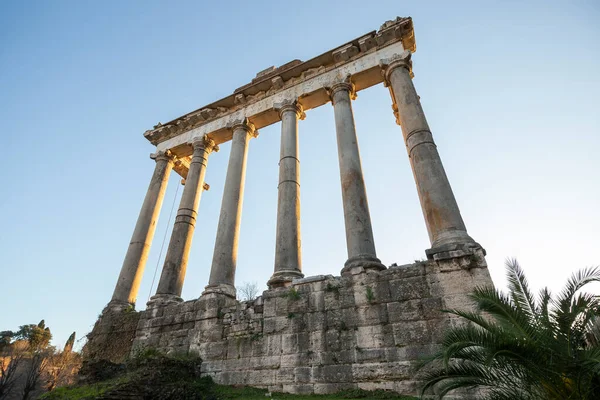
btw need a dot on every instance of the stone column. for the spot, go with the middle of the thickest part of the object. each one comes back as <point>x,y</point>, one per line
<point>173,272</point>
<point>222,272</point>
<point>447,231</point>
<point>288,259</point>
<point>132,270</point>
<point>359,233</point>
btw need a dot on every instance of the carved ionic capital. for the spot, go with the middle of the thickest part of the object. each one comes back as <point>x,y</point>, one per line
<point>205,143</point>
<point>397,61</point>
<point>246,125</point>
<point>163,156</point>
<point>346,85</point>
<point>290,105</point>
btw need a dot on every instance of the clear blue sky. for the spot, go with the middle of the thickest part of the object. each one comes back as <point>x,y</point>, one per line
<point>510,88</point>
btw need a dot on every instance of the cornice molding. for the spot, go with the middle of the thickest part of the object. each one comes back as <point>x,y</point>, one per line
<point>273,80</point>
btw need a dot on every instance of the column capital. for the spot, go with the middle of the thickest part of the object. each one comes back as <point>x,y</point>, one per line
<point>396,61</point>
<point>346,85</point>
<point>290,105</point>
<point>205,143</point>
<point>245,125</point>
<point>163,156</point>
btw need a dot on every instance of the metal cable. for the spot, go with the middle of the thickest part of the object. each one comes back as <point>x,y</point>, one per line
<point>164,240</point>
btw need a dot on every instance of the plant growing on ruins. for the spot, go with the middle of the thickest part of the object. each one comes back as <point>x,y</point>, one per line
<point>293,294</point>
<point>370,294</point>
<point>129,309</point>
<point>332,288</point>
<point>515,346</point>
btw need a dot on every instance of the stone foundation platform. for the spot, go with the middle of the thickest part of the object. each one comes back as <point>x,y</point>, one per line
<point>366,329</point>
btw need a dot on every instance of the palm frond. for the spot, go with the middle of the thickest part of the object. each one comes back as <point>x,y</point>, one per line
<point>500,307</point>
<point>521,295</point>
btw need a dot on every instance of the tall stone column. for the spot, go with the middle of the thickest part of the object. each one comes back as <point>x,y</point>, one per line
<point>174,268</point>
<point>288,259</point>
<point>132,270</point>
<point>447,231</point>
<point>357,219</point>
<point>222,272</point>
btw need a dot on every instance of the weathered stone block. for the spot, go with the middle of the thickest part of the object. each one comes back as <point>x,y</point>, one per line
<point>265,362</point>
<point>326,388</point>
<point>407,310</point>
<point>276,324</point>
<point>370,355</point>
<point>302,374</point>
<point>332,373</point>
<point>382,371</point>
<point>294,360</point>
<point>316,301</point>
<point>298,388</point>
<point>273,345</point>
<point>316,321</point>
<point>372,314</point>
<point>377,336</point>
<point>285,375</point>
<point>211,351</point>
<point>411,333</point>
<point>294,342</point>
<point>281,306</point>
<point>409,288</point>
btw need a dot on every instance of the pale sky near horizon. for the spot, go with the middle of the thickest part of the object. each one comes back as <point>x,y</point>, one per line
<point>510,89</point>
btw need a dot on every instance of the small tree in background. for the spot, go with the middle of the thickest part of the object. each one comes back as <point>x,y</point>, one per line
<point>36,366</point>
<point>38,336</point>
<point>69,345</point>
<point>248,291</point>
<point>5,339</point>
<point>11,358</point>
<point>63,366</point>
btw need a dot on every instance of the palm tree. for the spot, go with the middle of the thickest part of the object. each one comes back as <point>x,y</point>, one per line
<point>514,346</point>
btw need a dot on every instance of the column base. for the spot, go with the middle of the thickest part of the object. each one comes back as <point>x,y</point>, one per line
<point>451,237</point>
<point>284,278</point>
<point>115,306</point>
<point>221,289</point>
<point>360,263</point>
<point>454,250</point>
<point>163,299</point>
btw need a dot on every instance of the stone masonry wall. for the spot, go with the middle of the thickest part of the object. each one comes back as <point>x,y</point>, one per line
<point>323,334</point>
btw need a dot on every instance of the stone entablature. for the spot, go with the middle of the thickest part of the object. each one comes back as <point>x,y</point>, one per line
<point>305,81</point>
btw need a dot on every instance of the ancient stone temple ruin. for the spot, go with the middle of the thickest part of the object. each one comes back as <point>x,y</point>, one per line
<point>363,329</point>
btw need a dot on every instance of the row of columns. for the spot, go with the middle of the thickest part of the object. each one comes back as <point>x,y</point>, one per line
<point>444,223</point>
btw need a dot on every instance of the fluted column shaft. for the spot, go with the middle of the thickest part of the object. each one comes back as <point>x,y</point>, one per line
<point>445,225</point>
<point>128,284</point>
<point>357,219</point>
<point>288,259</point>
<point>173,272</point>
<point>222,272</point>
